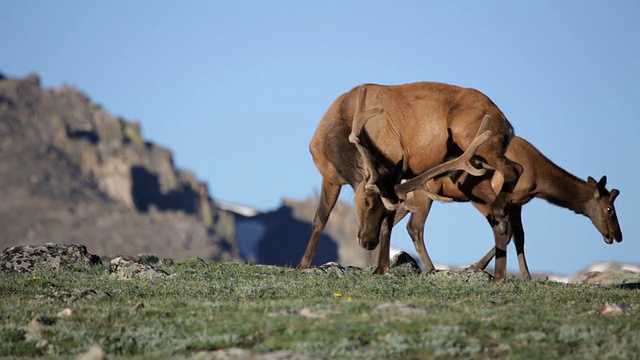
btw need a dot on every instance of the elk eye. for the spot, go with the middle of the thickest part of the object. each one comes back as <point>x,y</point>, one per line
<point>609,209</point>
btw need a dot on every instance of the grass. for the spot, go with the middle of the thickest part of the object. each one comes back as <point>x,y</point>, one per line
<point>208,306</point>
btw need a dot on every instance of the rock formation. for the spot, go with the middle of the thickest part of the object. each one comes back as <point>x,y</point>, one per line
<point>72,173</point>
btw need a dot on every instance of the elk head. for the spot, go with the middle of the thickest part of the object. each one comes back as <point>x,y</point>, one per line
<point>370,212</point>
<point>371,205</point>
<point>601,211</point>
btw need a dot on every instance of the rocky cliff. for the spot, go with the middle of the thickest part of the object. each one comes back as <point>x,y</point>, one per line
<point>72,173</point>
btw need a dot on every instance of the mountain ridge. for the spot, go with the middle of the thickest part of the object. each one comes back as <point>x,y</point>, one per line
<point>71,172</point>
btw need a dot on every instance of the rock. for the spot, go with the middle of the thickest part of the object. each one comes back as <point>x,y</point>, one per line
<point>606,277</point>
<point>400,308</point>
<point>71,172</point>
<point>95,352</point>
<point>65,313</point>
<point>123,269</point>
<point>33,332</point>
<point>73,295</point>
<point>333,268</point>
<point>467,274</point>
<point>310,314</point>
<point>137,307</point>
<point>27,258</point>
<point>243,354</point>
<point>41,320</point>
<point>404,259</point>
<point>611,309</point>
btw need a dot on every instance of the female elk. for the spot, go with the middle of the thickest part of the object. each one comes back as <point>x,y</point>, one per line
<point>540,178</point>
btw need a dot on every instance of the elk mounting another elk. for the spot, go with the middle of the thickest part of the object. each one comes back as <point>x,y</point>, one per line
<point>402,132</point>
<point>540,178</point>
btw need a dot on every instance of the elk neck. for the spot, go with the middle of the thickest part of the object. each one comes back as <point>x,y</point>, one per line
<point>562,188</point>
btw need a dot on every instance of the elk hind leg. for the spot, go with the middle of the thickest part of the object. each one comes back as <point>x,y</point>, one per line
<point>417,221</point>
<point>499,251</point>
<point>486,259</point>
<point>415,227</point>
<point>328,197</point>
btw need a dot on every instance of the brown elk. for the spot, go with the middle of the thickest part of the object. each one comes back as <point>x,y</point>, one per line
<point>409,130</point>
<point>540,178</point>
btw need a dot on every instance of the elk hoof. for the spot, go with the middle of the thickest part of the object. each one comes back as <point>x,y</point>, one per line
<point>381,270</point>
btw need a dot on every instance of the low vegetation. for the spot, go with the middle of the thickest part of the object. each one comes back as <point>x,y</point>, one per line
<point>205,306</point>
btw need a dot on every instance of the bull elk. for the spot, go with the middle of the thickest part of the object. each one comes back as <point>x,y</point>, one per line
<point>540,178</point>
<point>407,132</point>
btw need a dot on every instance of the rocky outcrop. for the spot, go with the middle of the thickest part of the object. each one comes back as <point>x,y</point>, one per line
<point>122,269</point>
<point>71,172</point>
<point>606,277</point>
<point>604,273</point>
<point>47,257</point>
<point>280,236</point>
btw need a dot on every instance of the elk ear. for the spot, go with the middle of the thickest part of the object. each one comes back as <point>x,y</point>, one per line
<point>603,182</point>
<point>591,180</point>
<point>614,194</point>
<point>596,194</point>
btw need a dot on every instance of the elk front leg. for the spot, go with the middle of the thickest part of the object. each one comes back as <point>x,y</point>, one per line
<point>515,219</point>
<point>328,197</point>
<point>385,244</point>
<point>501,242</point>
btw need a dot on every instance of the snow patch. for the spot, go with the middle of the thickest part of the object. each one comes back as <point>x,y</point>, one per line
<point>237,208</point>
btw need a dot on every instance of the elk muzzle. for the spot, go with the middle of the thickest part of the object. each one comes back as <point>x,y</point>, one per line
<point>369,242</point>
<point>610,236</point>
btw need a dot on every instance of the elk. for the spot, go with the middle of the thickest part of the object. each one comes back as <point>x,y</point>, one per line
<point>407,130</point>
<point>540,178</point>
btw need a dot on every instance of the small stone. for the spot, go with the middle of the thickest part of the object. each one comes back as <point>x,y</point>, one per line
<point>404,259</point>
<point>41,319</point>
<point>399,307</point>
<point>469,274</point>
<point>306,312</point>
<point>611,309</point>
<point>124,270</point>
<point>66,312</point>
<point>137,307</point>
<point>95,352</point>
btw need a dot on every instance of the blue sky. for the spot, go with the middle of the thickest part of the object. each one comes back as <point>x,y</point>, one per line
<point>236,88</point>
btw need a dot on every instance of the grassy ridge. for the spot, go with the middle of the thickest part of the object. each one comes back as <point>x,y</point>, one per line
<point>206,306</point>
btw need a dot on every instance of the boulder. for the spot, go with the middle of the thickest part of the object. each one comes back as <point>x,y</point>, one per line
<point>27,258</point>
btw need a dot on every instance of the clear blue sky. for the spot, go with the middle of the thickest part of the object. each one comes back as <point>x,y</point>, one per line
<point>236,88</point>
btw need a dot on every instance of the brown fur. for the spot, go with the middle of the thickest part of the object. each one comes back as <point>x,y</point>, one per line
<point>411,135</point>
